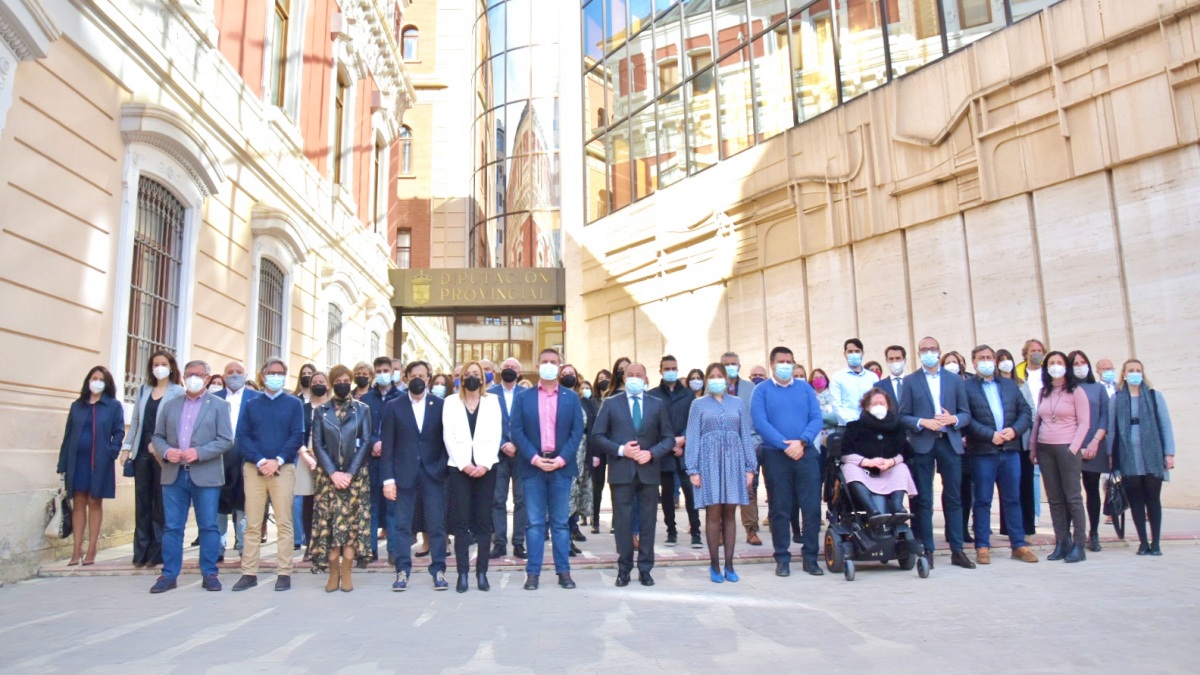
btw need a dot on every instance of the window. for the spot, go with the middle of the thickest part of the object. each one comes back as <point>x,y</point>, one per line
<point>702,83</point>
<point>374,344</point>
<point>339,121</point>
<point>601,118</point>
<point>668,77</point>
<point>270,312</point>
<point>155,283</point>
<point>406,164</point>
<point>333,343</point>
<point>404,249</point>
<point>408,43</point>
<point>379,191</point>
<point>279,52</point>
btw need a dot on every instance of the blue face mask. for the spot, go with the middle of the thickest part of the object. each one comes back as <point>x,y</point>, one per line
<point>784,371</point>
<point>383,379</point>
<point>489,377</point>
<point>438,390</point>
<point>731,371</point>
<point>587,393</point>
<point>671,376</point>
<point>1135,379</point>
<point>855,360</point>
<point>716,387</point>
<point>986,368</point>
<point>930,359</point>
<point>635,385</point>
<point>274,381</point>
<point>696,385</point>
<point>1109,376</point>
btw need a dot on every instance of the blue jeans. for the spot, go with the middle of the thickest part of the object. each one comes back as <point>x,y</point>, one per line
<point>178,498</point>
<point>949,465</point>
<point>298,520</point>
<point>793,484</point>
<point>1003,470</point>
<point>548,496</point>
<point>1037,491</point>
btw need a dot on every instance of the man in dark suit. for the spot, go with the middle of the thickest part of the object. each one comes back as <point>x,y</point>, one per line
<point>414,458</point>
<point>678,398</point>
<point>934,409</point>
<point>506,472</point>
<point>383,389</point>
<point>634,431</point>
<point>547,428</point>
<point>999,416</point>
<point>892,383</point>
<point>233,495</point>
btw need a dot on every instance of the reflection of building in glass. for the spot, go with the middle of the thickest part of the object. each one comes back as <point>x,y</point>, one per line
<point>671,87</point>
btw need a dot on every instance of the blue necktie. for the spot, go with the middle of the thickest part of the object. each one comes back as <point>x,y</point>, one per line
<point>637,413</point>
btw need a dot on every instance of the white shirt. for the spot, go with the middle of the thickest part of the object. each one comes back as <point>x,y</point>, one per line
<point>234,398</point>
<point>418,406</point>
<point>1034,379</point>
<point>897,382</point>
<point>1111,388</point>
<point>847,388</point>
<point>508,394</point>
<point>935,389</point>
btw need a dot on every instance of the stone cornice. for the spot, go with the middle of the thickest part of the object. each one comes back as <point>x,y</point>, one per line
<point>26,28</point>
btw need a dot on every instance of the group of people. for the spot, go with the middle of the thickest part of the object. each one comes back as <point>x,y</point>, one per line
<point>385,451</point>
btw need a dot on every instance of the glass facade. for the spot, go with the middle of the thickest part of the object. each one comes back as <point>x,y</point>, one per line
<point>515,217</point>
<point>671,87</point>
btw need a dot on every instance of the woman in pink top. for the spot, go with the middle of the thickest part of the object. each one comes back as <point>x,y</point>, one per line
<point>1056,444</point>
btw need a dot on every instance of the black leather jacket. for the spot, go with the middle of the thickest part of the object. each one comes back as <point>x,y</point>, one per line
<point>342,445</point>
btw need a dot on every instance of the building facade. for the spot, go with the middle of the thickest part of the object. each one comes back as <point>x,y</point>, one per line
<point>208,177</point>
<point>983,171</point>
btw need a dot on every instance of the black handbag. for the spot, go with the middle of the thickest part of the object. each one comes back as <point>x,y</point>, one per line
<point>1115,503</point>
<point>127,468</point>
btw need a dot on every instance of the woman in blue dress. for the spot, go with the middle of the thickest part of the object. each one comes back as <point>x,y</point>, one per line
<point>719,452</point>
<point>88,454</point>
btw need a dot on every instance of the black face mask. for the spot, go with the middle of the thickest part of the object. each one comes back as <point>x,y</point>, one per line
<point>416,386</point>
<point>319,390</point>
<point>305,381</point>
<point>508,375</point>
<point>361,382</point>
<point>602,386</point>
<point>341,389</point>
<point>472,383</point>
<point>568,381</point>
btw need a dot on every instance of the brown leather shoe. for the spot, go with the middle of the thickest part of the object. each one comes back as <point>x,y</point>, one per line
<point>1024,555</point>
<point>752,539</point>
<point>983,555</point>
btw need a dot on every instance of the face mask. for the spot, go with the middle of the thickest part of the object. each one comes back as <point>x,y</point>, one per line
<point>489,377</point>
<point>569,381</point>
<point>603,384</point>
<point>362,381</point>
<point>1036,359</point>
<point>758,379</point>
<point>274,381</point>
<point>508,375</point>
<point>319,390</point>
<point>635,385</point>
<point>1006,366</point>
<point>305,381</point>
<point>548,371</point>
<point>383,379</point>
<point>784,371</point>
<point>96,386</point>
<point>930,359</point>
<point>671,376</point>
<point>731,371</point>
<point>472,383</point>
<point>397,375</point>
<point>820,383</point>
<point>587,393</point>
<point>696,385</point>
<point>855,360</point>
<point>717,386</point>
<point>161,372</point>
<point>1134,379</point>
<point>1056,371</point>
<point>1109,376</point>
<point>416,386</point>
<point>896,367</point>
<point>952,367</point>
<point>457,382</point>
<point>438,390</point>
<point>879,411</point>
<point>1081,372</point>
<point>341,389</point>
<point>214,388</point>
<point>235,382</point>
<point>986,368</point>
<point>194,384</point>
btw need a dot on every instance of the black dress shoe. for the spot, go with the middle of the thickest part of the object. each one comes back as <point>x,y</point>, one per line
<point>247,581</point>
<point>967,538</point>
<point>672,539</point>
<point>566,581</point>
<point>519,551</point>
<point>163,585</point>
<point>783,569</point>
<point>1155,550</point>
<point>1076,554</point>
<point>1094,542</point>
<point>462,586</point>
<point>1143,549</point>
<point>576,535</point>
<point>574,551</point>
<point>498,551</point>
<point>481,582</point>
<point>812,568</point>
<point>283,583</point>
<point>195,542</point>
<point>645,579</point>
<point>960,558</point>
<point>929,556</point>
<point>211,583</point>
<point>1061,549</point>
<point>797,539</point>
<point>622,579</point>
<point>531,582</point>
<point>595,528</point>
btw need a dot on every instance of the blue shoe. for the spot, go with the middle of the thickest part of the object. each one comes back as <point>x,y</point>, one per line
<point>401,582</point>
<point>439,582</point>
<point>715,576</point>
<point>730,575</point>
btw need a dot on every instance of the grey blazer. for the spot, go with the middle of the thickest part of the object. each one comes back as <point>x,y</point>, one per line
<point>614,428</point>
<point>133,439</point>
<point>212,438</point>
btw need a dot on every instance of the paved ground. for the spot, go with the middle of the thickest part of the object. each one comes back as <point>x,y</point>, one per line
<point>1116,612</point>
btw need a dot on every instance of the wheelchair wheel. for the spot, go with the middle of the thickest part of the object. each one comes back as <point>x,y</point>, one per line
<point>909,562</point>
<point>835,559</point>
<point>922,567</point>
<point>849,571</point>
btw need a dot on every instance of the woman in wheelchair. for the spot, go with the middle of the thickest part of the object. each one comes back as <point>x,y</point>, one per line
<point>873,451</point>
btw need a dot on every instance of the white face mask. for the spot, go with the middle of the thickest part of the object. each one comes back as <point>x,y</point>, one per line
<point>96,386</point>
<point>1081,371</point>
<point>161,372</point>
<point>951,367</point>
<point>879,411</point>
<point>1056,371</point>
<point>194,384</point>
<point>1006,366</point>
<point>214,388</point>
<point>896,367</point>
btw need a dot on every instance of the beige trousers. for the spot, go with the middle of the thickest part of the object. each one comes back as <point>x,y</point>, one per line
<point>280,489</point>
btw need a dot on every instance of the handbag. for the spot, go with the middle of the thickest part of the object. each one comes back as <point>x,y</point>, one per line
<point>1115,502</point>
<point>127,469</point>
<point>59,509</point>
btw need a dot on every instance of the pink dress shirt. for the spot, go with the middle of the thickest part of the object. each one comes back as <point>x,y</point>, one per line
<point>548,417</point>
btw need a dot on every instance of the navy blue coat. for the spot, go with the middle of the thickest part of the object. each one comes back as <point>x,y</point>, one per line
<point>1017,415</point>
<point>527,430</point>
<point>406,449</point>
<point>108,434</point>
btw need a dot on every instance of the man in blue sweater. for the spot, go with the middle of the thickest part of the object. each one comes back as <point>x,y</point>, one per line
<point>787,417</point>
<point>269,433</point>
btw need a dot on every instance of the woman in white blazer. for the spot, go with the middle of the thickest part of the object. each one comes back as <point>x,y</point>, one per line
<point>473,430</point>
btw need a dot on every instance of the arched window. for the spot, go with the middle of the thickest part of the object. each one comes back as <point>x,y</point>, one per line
<point>406,140</point>
<point>270,312</point>
<point>155,285</point>
<point>375,340</point>
<point>601,119</point>
<point>333,343</point>
<point>408,43</point>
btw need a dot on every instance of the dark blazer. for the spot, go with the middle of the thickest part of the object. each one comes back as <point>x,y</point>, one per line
<point>375,402</point>
<point>108,432</point>
<point>233,498</point>
<point>406,448</point>
<point>981,427</point>
<point>527,430</point>
<point>679,406</point>
<point>212,437</point>
<point>614,428</point>
<point>885,383</point>
<point>916,404</point>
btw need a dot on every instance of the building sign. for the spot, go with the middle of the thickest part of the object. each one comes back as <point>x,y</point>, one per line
<point>476,289</point>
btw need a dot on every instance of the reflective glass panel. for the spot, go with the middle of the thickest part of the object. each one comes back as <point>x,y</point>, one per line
<point>596,176</point>
<point>640,12</point>
<point>772,83</point>
<point>969,20</point>
<point>737,103</point>
<point>616,16</point>
<point>545,123</point>
<point>595,116</point>
<point>813,79</point>
<point>518,23</point>
<point>644,148</point>
<point>544,23</point>
<point>618,72</point>
<point>641,67</point>
<point>593,31</point>
<point>914,34</point>
<point>545,70</point>
<point>495,28</point>
<point>732,29</point>
<point>697,31</point>
<point>702,125</point>
<point>660,5</point>
<point>499,78</point>
<point>669,69</point>
<point>766,13</point>
<point>671,153</point>
<point>517,62</point>
<point>618,166</point>
<point>860,37</point>
<point>1023,8</point>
